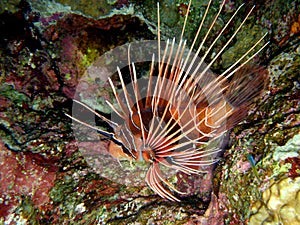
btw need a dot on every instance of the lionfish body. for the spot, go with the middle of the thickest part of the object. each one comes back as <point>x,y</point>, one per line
<point>169,119</point>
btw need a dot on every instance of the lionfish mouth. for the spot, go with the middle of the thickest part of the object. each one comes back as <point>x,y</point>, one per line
<point>169,118</point>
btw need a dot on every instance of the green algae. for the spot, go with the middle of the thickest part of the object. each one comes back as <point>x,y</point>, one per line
<point>169,14</point>
<point>249,34</point>
<point>13,95</point>
<point>23,119</point>
<point>26,213</point>
<point>89,57</point>
<point>9,5</point>
<point>94,8</point>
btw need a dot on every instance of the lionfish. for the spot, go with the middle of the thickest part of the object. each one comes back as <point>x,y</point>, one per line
<point>182,107</point>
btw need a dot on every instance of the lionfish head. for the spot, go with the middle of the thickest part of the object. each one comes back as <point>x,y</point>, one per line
<point>169,118</point>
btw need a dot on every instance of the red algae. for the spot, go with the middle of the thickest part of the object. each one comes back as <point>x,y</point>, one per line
<point>23,175</point>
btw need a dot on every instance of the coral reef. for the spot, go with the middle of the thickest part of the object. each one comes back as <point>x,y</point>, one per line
<point>269,142</point>
<point>46,46</point>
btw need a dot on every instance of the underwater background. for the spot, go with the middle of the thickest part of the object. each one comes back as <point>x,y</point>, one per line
<point>46,46</point>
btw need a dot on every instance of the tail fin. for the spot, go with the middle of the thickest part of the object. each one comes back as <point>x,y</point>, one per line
<point>247,84</point>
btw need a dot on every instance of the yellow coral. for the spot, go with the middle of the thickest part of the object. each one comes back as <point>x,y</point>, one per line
<point>280,204</point>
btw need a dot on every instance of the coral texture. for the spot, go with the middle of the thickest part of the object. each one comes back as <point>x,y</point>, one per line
<point>280,204</point>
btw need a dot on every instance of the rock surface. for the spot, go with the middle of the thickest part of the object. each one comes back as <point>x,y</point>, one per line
<point>45,48</point>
